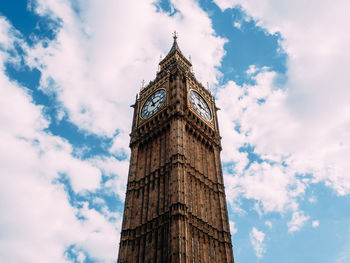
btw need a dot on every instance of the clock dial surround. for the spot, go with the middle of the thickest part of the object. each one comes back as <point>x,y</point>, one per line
<point>200,105</point>
<point>153,103</point>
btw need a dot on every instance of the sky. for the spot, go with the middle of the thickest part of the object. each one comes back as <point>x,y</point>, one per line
<point>69,71</point>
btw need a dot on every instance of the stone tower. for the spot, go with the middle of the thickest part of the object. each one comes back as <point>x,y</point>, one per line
<point>175,208</point>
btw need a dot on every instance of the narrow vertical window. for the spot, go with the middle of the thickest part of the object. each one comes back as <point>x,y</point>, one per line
<point>146,155</point>
<point>164,190</point>
<point>161,243</point>
<point>191,198</point>
<point>195,197</point>
<point>150,158</point>
<point>165,138</point>
<point>158,189</point>
<point>209,250</point>
<point>189,150</point>
<point>199,252</point>
<point>138,250</point>
<point>194,154</point>
<point>205,206</point>
<point>202,153</point>
<point>155,245</point>
<point>214,254</point>
<point>210,211</point>
<point>143,188</point>
<point>206,162</point>
<point>192,250</point>
<point>160,150</point>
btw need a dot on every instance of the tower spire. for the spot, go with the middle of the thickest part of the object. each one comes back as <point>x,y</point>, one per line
<point>173,51</point>
<point>175,46</point>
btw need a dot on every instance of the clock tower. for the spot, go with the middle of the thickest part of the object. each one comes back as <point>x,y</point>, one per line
<point>175,207</point>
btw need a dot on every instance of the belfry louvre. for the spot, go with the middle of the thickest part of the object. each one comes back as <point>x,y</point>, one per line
<point>175,208</point>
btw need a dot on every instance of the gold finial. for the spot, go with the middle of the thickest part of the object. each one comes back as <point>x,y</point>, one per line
<point>142,84</point>
<point>175,35</point>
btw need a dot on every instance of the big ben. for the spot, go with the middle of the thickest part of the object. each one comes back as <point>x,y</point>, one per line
<point>175,206</point>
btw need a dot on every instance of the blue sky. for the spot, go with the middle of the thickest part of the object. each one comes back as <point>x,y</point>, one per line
<point>69,71</point>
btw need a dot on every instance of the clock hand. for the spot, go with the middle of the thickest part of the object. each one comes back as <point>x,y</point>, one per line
<point>154,102</point>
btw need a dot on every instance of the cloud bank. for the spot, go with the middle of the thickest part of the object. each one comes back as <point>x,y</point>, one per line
<point>297,129</point>
<point>55,205</point>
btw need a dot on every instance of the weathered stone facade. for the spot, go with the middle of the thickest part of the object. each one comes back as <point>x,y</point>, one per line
<point>175,208</point>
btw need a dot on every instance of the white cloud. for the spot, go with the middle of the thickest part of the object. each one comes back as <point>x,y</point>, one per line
<point>267,184</point>
<point>301,129</point>
<point>37,214</point>
<point>120,143</point>
<point>117,171</point>
<point>102,238</point>
<point>315,223</point>
<point>35,208</point>
<point>310,121</point>
<point>257,240</point>
<point>252,70</point>
<point>237,25</point>
<point>107,57</point>
<point>268,223</point>
<point>298,220</point>
<point>233,228</point>
<point>312,199</point>
<point>270,128</point>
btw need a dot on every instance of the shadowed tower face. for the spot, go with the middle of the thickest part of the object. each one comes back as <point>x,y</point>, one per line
<point>175,208</point>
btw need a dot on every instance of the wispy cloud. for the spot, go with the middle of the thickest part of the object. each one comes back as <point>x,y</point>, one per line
<point>257,240</point>
<point>297,221</point>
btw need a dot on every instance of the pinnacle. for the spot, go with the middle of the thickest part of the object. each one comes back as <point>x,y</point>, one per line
<point>175,49</point>
<point>175,46</point>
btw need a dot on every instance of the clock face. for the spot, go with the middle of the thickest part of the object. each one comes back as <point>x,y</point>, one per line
<point>200,105</point>
<point>153,103</point>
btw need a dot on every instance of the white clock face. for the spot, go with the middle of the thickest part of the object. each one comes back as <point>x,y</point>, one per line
<point>200,105</point>
<point>153,103</point>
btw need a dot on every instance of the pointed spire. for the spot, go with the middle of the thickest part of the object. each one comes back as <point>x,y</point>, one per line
<point>175,50</point>
<point>175,46</point>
